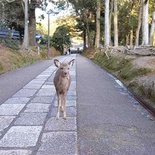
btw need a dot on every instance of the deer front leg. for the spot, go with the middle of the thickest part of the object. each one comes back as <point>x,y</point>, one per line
<point>59,105</point>
<point>64,106</point>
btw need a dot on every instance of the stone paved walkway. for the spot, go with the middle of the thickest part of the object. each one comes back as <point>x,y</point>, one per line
<point>28,125</point>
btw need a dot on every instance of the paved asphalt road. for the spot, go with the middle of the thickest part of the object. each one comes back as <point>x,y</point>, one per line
<point>110,121</point>
<point>103,118</point>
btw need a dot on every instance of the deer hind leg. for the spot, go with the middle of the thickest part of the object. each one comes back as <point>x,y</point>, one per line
<point>59,105</point>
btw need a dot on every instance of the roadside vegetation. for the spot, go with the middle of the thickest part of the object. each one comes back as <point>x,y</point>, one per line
<point>11,58</point>
<point>136,72</point>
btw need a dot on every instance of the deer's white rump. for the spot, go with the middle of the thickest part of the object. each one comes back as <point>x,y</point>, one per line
<point>62,80</point>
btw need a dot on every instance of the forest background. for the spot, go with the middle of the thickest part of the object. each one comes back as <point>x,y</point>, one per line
<point>97,22</point>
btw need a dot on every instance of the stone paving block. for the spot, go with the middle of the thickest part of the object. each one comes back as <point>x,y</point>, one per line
<point>37,107</point>
<point>70,111</point>
<point>72,87</point>
<point>48,87</point>
<point>49,83</point>
<point>17,100</point>
<point>58,143</point>
<point>73,82</point>
<point>11,109</point>
<point>49,70</point>
<point>42,78</point>
<point>50,79</point>
<point>15,152</point>
<point>32,86</point>
<point>71,92</point>
<point>25,93</point>
<point>5,122</point>
<point>31,119</point>
<point>21,136</point>
<point>72,73</point>
<point>37,82</point>
<point>69,103</point>
<point>46,92</point>
<point>71,97</point>
<point>46,73</point>
<point>43,99</point>
<point>43,75</point>
<point>60,124</point>
<point>73,77</point>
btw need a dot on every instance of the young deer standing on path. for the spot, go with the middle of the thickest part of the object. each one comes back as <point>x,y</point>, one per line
<point>62,80</point>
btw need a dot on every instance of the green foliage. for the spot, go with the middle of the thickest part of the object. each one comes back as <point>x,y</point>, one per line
<point>129,72</point>
<point>70,22</point>
<point>1,68</point>
<point>12,14</point>
<point>114,63</point>
<point>13,44</point>
<point>61,38</point>
<point>124,68</point>
<point>145,91</point>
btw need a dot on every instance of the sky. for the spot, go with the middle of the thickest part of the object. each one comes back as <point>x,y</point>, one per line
<point>57,14</point>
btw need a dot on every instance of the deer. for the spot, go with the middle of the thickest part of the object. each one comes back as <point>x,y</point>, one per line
<point>62,80</point>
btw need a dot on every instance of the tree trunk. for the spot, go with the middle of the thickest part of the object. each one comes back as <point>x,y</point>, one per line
<point>145,23</point>
<point>98,14</point>
<point>88,33</point>
<point>131,38</point>
<point>110,20</point>
<point>115,24</point>
<point>84,39</point>
<point>88,37</point>
<point>139,25</point>
<point>25,44</point>
<point>127,39</point>
<point>107,30</point>
<point>32,26</point>
<point>152,29</point>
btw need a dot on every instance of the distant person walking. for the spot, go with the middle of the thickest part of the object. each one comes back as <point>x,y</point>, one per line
<point>69,50</point>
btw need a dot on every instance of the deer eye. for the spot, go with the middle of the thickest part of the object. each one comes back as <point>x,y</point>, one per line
<point>61,68</point>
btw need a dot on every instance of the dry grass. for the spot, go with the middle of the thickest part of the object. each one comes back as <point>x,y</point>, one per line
<point>11,59</point>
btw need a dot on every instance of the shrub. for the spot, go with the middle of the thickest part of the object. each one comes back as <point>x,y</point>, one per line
<point>1,68</point>
<point>13,44</point>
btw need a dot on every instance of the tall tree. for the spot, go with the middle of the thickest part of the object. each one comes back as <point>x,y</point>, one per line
<point>115,24</point>
<point>139,24</point>
<point>110,20</point>
<point>145,23</point>
<point>12,16</point>
<point>32,24</point>
<point>106,30</point>
<point>25,44</point>
<point>152,29</point>
<point>98,14</point>
<point>85,11</point>
<point>61,38</point>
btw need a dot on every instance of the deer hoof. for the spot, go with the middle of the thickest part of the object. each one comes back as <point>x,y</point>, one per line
<point>57,117</point>
<point>64,118</point>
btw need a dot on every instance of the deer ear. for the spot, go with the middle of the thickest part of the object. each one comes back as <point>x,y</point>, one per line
<point>71,62</point>
<point>57,63</point>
